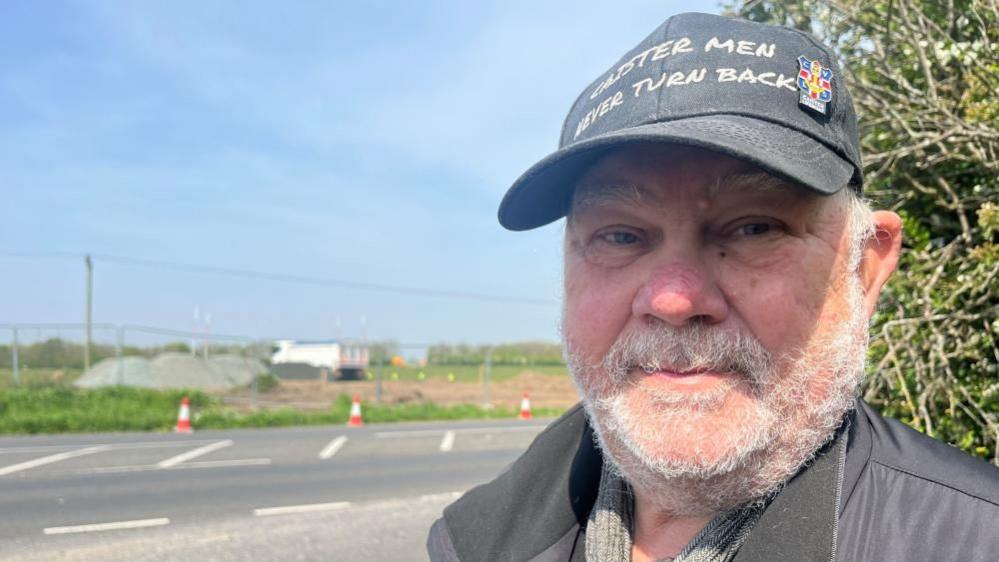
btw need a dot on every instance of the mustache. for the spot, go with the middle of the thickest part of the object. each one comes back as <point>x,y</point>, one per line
<point>693,347</point>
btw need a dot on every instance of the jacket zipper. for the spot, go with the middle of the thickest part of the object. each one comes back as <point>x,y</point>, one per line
<point>840,470</point>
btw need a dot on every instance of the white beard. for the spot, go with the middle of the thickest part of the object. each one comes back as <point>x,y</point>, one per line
<point>796,404</point>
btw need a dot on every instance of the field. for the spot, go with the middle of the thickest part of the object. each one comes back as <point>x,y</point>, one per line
<point>47,403</point>
<point>40,377</point>
<point>461,373</point>
<point>545,390</point>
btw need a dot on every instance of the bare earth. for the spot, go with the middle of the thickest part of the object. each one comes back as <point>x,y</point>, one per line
<point>545,391</point>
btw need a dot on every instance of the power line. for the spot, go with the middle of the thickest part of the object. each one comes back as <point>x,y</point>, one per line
<point>284,278</point>
<point>43,255</point>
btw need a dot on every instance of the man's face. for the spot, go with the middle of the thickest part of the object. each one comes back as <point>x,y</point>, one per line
<point>711,319</point>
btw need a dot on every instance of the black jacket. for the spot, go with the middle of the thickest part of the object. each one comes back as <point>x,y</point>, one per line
<point>895,495</point>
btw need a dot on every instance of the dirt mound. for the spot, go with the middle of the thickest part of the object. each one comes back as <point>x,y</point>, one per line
<point>173,370</point>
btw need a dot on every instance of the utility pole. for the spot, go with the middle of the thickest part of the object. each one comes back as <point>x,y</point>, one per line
<point>204,341</point>
<point>194,332</point>
<point>378,382</point>
<point>90,293</point>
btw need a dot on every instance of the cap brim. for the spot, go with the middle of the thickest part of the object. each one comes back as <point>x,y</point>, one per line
<point>543,193</point>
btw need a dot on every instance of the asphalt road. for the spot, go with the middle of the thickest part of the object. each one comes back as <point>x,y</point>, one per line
<point>319,493</point>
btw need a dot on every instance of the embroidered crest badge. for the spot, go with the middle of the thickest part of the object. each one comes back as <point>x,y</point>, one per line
<point>815,83</point>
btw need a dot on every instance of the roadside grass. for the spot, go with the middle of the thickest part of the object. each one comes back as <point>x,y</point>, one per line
<point>68,410</point>
<point>461,373</point>
<point>65,410</point>
<point>34,378</point>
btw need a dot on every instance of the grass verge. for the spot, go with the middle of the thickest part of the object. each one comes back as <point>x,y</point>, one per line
<point>63,410</point>
<point>37,378</point>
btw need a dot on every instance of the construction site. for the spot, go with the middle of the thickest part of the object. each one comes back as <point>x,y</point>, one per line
<point>287,374</point>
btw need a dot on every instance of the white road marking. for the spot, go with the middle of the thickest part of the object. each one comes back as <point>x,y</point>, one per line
<point>447,443</point>
<point>220,464</point>
<point>110,446</point>
<point>463,430</point>
<point>307,508</point>
<point>10,469</point>
<point>187,465</point>
<point>173,461</point>
<point>333,446</point>
<point>134,524</point>
<point>261,512</point>
<point>446,496</point>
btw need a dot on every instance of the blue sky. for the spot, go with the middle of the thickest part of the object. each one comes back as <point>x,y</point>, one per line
<point>365,141</point>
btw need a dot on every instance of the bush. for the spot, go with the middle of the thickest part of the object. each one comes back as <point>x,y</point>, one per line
<point>267,382</point>
<point>923,79</point>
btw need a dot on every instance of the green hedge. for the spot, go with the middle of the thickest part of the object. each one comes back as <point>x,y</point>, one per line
<point>922,75</point>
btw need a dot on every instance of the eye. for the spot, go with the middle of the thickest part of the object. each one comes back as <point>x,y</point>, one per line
<point>618,237</point>
<point>753,229</point>
<point>616,246</point>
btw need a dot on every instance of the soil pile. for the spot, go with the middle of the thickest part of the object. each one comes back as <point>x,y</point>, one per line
<point>174,370</point>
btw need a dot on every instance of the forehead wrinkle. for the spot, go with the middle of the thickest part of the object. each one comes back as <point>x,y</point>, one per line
<point>814,205</point>
<point>595,195</point>
<point>757,182</point>
<point>598,194</point>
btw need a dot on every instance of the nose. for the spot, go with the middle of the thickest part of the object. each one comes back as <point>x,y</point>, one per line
<point>680,293</point>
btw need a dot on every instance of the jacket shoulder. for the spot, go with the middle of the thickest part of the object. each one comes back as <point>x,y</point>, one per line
<point>439,544</point>
<point>899,447</point>
<point>918,499</point>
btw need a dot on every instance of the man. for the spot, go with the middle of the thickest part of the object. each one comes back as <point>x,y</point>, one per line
<point>721,268</point>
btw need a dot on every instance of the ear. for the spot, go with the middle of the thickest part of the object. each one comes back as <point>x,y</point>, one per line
<point>880,255</point>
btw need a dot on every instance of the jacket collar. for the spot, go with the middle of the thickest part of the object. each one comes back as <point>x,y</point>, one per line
<point>801,521</point>
<point>541,498</point>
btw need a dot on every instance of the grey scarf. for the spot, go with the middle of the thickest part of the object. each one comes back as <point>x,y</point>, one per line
<point>610,528</point>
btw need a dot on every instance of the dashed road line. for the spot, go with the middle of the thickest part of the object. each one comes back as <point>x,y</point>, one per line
<point>112,526</point>
<point>10,469</point>
<point>336,506</point>
<point>307,508</point>
<point>184,466</point>
<point>259,512</point>
<point>333,446</point>
<point>447,443</point>
<point>446,496</point>
<point>225,463</point>
<point>461,430</point>
<point>174,461</point>
<point>110,446</point>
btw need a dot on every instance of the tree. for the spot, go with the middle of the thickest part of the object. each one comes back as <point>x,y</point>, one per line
<point>381,352</point>
<point>923,76</point>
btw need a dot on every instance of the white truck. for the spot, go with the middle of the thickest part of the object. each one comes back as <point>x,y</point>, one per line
<point>345,359</point>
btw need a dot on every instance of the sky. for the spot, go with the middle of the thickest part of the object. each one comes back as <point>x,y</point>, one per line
<point>366,142</point>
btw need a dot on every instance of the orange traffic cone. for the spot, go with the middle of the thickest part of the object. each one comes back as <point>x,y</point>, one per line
<point>184,417</point>
<point>355,412</point>
<point>525,408</point>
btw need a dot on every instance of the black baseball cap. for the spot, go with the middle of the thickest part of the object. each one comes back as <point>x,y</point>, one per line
<point>767,95</point>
